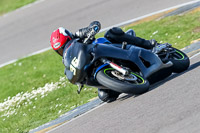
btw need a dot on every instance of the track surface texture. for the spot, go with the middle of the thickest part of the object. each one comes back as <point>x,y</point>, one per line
<point>28,30</point>
<point>172,106</point>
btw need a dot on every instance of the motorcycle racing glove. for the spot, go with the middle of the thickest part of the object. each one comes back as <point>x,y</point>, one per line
<point>88,32</point>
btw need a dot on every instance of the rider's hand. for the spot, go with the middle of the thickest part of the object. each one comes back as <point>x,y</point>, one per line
<point>93,29</point>
<point>89,31</point>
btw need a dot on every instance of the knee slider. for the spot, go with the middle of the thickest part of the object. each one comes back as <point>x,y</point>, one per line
<point>114,34</point>
<point>117,31</point>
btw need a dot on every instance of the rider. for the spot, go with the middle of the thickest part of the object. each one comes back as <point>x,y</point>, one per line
<point>61,38</point>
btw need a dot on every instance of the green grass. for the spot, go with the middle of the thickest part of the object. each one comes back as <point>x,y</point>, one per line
<point>26,75</point>
<point>177,30</point>
<point>42,110</point>
<point>10,5</point>
<point>29,74</point>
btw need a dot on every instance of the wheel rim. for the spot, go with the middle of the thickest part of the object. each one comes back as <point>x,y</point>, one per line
<point>132,78</point>
<point>178,55</point>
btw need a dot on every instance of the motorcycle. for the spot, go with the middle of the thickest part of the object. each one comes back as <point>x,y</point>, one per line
<point>119,68</point>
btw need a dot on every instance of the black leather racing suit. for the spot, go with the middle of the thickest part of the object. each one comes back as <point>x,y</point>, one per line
<point>114,35</point>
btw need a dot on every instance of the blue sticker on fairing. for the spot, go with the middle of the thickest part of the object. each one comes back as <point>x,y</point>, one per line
<point>101,40</point>
<point>99,68</point>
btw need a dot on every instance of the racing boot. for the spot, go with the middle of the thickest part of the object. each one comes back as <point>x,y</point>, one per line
<point>157,47</point>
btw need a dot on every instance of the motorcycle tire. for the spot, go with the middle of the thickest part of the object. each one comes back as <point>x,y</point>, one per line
<point>180,61</point>
<point>107,95</point>
<point>107,79</point>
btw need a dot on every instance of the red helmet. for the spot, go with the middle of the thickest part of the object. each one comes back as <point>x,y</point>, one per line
<point>59,38</point>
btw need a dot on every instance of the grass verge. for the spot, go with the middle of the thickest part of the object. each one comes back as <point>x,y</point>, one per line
<point>179,30</point>
<point>25,97</point>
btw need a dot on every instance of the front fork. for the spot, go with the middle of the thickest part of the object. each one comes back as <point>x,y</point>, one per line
<point>115,66</point>
<point>107,62</point>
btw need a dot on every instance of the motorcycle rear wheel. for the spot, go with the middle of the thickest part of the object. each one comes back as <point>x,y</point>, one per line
<point>107,78</point>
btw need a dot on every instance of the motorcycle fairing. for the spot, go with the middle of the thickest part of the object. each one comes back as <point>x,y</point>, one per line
<point>101,40</point>
<point>75,58</point>
<point>131,53</point>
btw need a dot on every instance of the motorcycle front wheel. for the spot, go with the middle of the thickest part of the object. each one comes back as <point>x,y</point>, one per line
<point>134,83</point>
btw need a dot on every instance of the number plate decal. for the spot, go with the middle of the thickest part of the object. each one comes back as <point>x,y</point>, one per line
<point>73,65</point>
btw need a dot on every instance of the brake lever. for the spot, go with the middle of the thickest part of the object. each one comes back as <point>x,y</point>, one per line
<point>86,39</point>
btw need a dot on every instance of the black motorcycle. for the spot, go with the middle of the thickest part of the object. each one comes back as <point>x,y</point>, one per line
<point>119,68</point>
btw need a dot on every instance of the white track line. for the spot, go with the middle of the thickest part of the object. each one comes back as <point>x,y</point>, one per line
<point>34,53</point>
<point>195,55</point>
<point>23,7</point>
<point>77,117</point>
<point>148,15</point>
<point>117,25</point>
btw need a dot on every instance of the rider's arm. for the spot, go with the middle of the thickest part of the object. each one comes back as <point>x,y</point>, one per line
<point>148,44</point>
<point>117,35</point>
<point>81,33</point>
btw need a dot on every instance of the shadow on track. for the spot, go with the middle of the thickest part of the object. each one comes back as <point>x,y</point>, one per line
<point>156,85</point>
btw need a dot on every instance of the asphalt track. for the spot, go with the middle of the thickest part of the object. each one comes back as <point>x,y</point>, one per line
<point>172,106</point>
<point>28,30</point>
